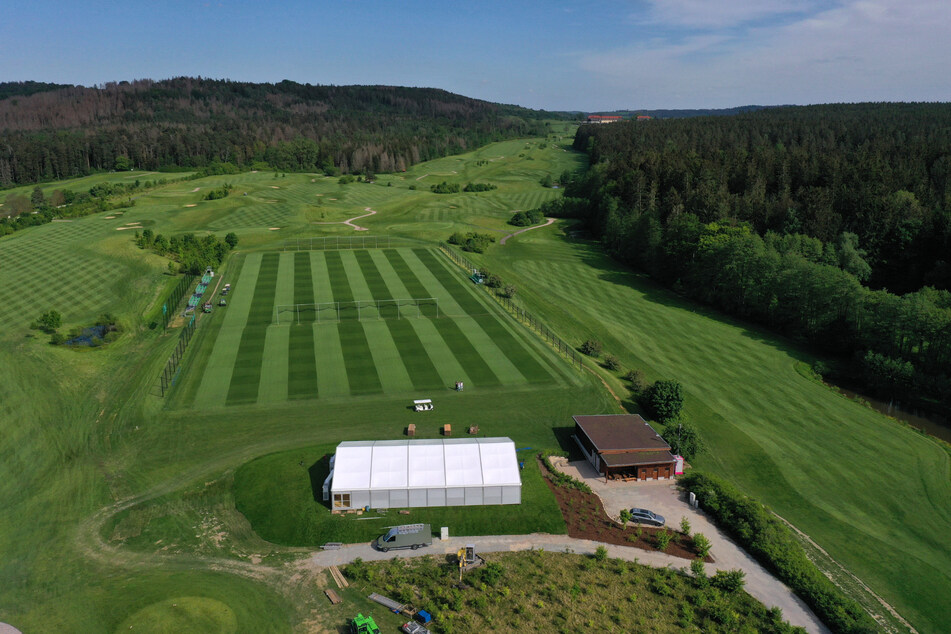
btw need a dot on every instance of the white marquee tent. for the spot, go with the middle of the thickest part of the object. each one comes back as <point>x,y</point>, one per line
<point>439,472</point>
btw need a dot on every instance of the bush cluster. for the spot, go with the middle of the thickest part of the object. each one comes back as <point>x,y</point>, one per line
<point>472,242</point>
<point>773,544</point>
<point>220,192</point>
<point>527,218</point>
<point>479,187</point>
<point>559,478</point>
<point>445,187</point>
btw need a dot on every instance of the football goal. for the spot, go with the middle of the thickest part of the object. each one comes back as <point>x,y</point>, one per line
<point>359,310</point>
<point>338,242</point>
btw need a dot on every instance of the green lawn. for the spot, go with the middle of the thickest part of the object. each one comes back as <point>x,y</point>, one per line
<point>873,493</point>
<point>266,348</point>
<point>277,495</point>
<point>119,504</point>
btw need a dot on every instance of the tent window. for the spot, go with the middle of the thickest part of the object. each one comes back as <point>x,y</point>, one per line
<point>341,500</point>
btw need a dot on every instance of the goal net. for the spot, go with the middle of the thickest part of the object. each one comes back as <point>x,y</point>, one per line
<point>358,310</point>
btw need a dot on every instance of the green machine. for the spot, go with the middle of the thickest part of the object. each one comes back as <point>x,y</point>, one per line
<point>363,625</point>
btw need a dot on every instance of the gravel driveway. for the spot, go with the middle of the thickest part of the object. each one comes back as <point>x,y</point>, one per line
<point>662,497</point>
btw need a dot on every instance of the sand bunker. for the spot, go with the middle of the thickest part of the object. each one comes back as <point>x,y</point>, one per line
<point>124,228</point>
<point>194,190</point>
<point>274,187</point>
<point>108,217</point>
<point>273,228</point>
<point>137,222</point>
<point>192,205</point>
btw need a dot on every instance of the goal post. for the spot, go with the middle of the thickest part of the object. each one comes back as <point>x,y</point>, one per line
<point>357,310</point>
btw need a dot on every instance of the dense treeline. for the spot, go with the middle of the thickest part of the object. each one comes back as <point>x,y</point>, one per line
<point>186,122</point>
<point>880,171</point>
<point>25,88</point>
<point>726,212</point>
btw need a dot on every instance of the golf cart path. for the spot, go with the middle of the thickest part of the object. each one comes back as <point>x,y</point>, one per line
<point>771,592</point>
<point>349,221</point>
<point>515,233</point>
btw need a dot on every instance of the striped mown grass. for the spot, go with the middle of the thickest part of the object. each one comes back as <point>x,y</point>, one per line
<point>367,350</point>
<point>247,367</point>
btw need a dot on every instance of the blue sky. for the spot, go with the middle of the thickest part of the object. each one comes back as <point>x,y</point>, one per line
<point>560,55</point>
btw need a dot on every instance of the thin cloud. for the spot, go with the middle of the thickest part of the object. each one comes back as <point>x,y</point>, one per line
<point>714,14</point>
<point>862,50</point>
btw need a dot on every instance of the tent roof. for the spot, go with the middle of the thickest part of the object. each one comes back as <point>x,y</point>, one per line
<point>446,462</point>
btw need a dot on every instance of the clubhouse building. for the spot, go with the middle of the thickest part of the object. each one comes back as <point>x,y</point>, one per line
<point>625,447</point>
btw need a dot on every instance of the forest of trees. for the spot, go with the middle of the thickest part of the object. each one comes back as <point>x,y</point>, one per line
<point>807,219</point>
<point>49,133</point>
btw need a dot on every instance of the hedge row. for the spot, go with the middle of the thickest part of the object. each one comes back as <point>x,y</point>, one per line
<point>560,479</point>
<point>773,544</point>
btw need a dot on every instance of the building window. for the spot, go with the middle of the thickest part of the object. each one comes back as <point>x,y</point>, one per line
<point>341,500</point>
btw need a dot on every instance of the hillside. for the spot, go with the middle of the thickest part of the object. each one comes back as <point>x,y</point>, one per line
<point>191,122</point>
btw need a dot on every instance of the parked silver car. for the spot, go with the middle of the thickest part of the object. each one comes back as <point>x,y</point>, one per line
<point>643,516</point>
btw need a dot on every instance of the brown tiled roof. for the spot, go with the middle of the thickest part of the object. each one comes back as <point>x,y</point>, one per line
<point>632,458</point>
<point>620,432</point>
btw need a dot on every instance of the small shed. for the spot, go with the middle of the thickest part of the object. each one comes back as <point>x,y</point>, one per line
<point>425,472</point>
<point>624,446</point>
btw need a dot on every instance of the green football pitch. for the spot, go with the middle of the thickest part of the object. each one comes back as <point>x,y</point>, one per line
<point>341,323</point>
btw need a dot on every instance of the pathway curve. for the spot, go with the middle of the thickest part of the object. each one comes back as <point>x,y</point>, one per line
<point>515,233</point>
<point>663,497</point>
<point>761,586</point>
<point>349,221</point>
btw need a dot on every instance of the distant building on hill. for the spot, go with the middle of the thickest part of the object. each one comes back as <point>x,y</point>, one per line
<point>603,118</point>
<point>644,117</point>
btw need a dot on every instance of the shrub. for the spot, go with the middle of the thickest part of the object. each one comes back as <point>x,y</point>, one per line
<point>702,545</point>
<point>637,380</point>
<point>684,439</point>
<point>699,570</point>
<point>664,400</point>
<point>662,539</point>
<point>612,363</point>
<point>591,347</point>
<point>509,291</point>
<point>729,580</point>
<point>684,526</point>
<point>57,339</point>
<point>773,544</point>
<point>493,281</point>
<point>601,554</point>
<point>49,321</point>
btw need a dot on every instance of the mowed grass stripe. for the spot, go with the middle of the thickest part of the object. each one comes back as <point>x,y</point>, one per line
<point>358,360</point>
<point>339,286</point>
<point>361,370</point>
<point>530,368</point>
<point>464,298</point>
<point>216,381</point>
<point>301,361</point>
<point>501,365</point>
<point>331,369</point>
<point>273,386</point>
<point>476,367</point>
<point>422,371</point>
<point>246,376</point>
